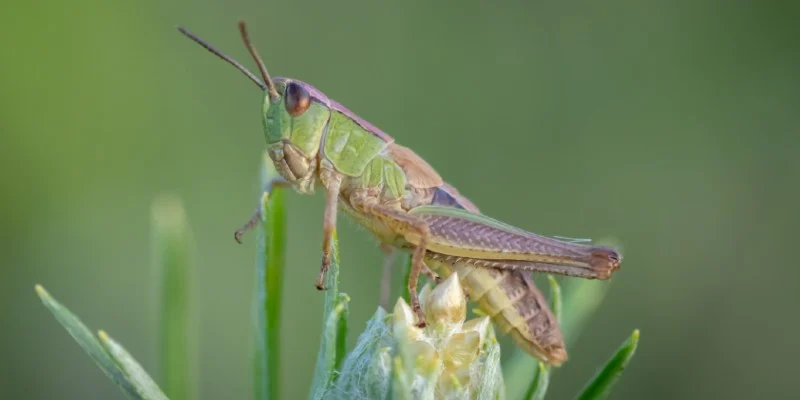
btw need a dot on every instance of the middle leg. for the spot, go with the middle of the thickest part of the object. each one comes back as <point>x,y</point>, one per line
<point>328,226</point>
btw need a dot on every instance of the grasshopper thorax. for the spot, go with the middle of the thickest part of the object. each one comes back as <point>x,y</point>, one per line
<point>294,123</point>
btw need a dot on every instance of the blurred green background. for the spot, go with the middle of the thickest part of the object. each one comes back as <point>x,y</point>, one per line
<point>669,126</point>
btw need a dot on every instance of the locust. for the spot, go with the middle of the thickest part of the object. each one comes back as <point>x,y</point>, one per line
<point>315,142</point>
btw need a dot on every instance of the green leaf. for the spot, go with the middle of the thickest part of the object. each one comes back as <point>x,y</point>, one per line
<point>600,386</point>
<point>335,309</point>
<point>539,384</point>
<point>582,299</point>
<point>555,298</point>
<point>585,296</point>
<point>341,331</point>
<point>270,261</point>
<point>541,380</point>
<point>172,246</point>
<point>407,260</point>
<point>89,343</point>
<point>136,374</point>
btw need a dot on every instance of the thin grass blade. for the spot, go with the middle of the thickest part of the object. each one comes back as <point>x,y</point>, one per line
<point>556,302</point>
<point>585,296</point>
<point>541,380</point>
<point>405,261</point>
<point>335,344</point>
<point>89,343</point>
<point>600,386</point>
<point>335,308</point>
<point>172,245</point>
<point>136,374</point>
<point>270,261</point>
<point>341,330</point>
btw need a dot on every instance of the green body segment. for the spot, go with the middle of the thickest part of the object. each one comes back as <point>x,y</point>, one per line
<point>276,122</point>
<point>383,172</point>
<point>304,131</point>
<point>308,128</point>
<point>350,147</point>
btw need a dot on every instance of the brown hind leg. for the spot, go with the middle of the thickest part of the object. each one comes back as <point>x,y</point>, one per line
<point>390,256</point>
<point>403,223</point>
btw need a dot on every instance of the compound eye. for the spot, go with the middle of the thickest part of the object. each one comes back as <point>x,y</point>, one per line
<point>297,99</point>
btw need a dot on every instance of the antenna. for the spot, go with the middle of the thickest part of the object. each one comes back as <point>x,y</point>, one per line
<point>273,93</point>
<point>226,58</point>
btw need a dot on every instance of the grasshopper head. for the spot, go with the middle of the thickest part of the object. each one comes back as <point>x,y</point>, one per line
<point>294,115</point>
<point>294,121</point>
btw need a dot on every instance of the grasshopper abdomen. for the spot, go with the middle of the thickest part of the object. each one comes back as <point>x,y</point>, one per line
<point>512,301</point>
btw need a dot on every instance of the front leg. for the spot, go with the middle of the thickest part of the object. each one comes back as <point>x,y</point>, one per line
<point>328,226</point>
<point>277,181</point>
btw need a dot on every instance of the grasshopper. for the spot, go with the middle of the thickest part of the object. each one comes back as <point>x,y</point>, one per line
<point>315,142</point>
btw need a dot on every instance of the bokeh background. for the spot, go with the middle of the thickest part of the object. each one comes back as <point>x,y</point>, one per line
<point>669,126</point>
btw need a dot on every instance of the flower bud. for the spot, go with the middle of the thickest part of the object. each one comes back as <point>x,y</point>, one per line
<point>446,303</point>
<point>448,359</point>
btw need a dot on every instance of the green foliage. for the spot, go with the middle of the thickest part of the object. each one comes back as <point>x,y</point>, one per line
<point>270,260</point>
<point>406,276</point>
<point>539,383</point>
<point>173,253</point>
<point>146,386</point>
<point>112,359</point>
<point>600,385</point>
<point>334,329</point>
<point>585,296</point>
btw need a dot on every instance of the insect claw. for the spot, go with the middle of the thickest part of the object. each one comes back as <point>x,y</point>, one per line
<point>321,277</point>
<point>418,311</point>
<point>254,220</point>
<point>238,235</point>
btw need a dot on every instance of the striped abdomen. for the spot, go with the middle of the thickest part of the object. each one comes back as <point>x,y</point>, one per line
<point>510,298</point>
